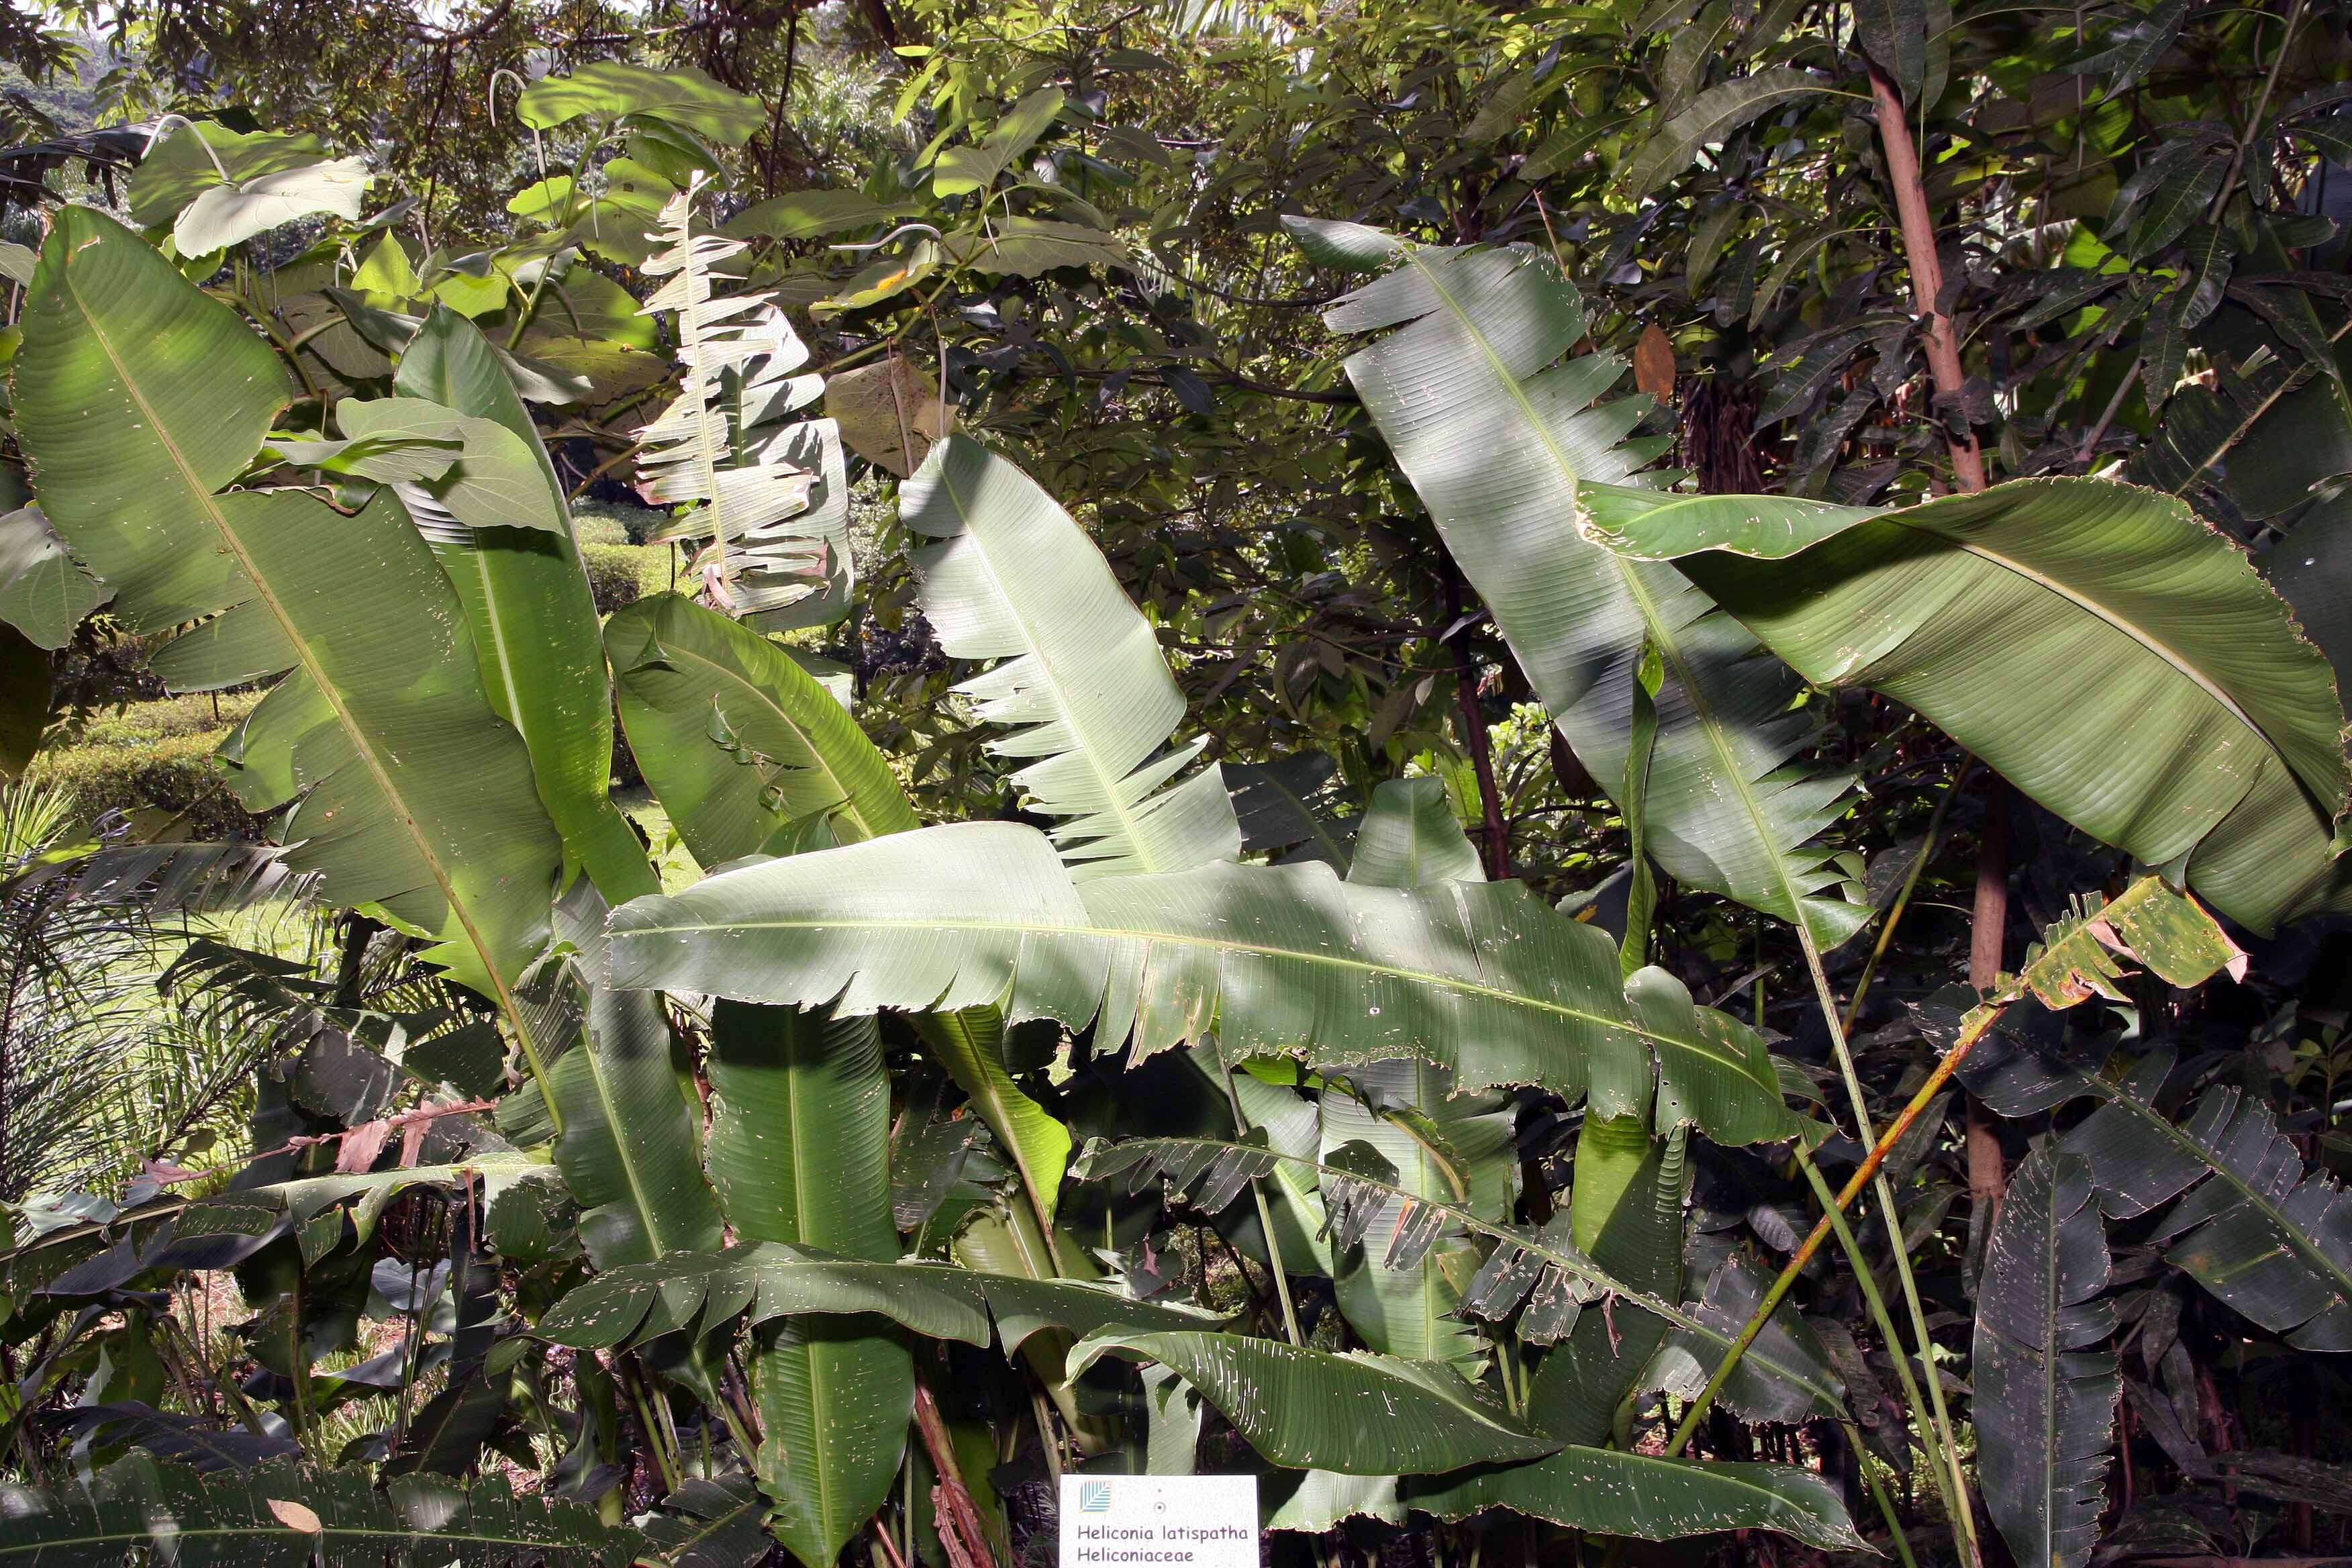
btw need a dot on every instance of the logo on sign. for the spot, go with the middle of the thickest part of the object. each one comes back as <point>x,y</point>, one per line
<point>1094,1497</point>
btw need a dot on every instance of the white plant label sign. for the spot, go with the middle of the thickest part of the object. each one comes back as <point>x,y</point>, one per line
<point>1160,1521</point>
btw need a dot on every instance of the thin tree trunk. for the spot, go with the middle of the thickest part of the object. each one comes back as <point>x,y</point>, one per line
<point>1988,1175</point>
<point>1926,273</point>
<point>1986,1178</point>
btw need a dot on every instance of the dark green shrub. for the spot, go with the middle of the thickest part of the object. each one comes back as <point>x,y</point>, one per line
<point>160,754</point>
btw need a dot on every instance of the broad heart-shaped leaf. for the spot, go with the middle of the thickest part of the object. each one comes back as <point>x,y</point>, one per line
<point>799,1151</point>
<point>190,160</point>
<point>1356,1414</point>
<point>2108,653</point>
<point>263,1517</point>
<point>1495,444</point>
<point>679,95</point>
<point>764,1281</point>
<point>526,596</point>
<point>737,741</point>
<point>232,214</point>
<point>137,398</point>
<point>1080,675</point>
<point>963,170</point>
<point>1481,978</point>
<point>2045,1404</point>
<point>810,214</point>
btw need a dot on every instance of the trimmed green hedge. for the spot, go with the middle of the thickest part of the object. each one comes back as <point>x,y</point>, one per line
<point>621,574</point>
<point>160,754</point>
<point>613,523</point>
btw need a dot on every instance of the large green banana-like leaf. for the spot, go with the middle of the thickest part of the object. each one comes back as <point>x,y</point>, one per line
<point>740,744</point>
<point>2255,1228</point>
<point>2110,654</point>
<point>281,1516</point>
<point>43,593</point>
<point>969,1042</point>
<point>1290,1124</point>
<point>1650,1499</point>
<point>2045,1404</point>
<point>737,741</point>
<point>1583,1383</point>
<point>1540,1274</point>
<point>630,1148</point>
<point>764,1281</point>
<point>1410,838</point>
<point>138,397</point>
<point>1441,1146</point>
<point>1356,1414</point>
<point>770,496</point>
<point>799,1151</point>
<point>1079,673</point>
<point>1458,1149</point>
<point>1482,979</point>
<point>1294,808</point>
<point>1585,1380</point>
<point>1578,1391</point>
<point>1495,438</point>
<point>708,1525</point>
<point>526,596</point>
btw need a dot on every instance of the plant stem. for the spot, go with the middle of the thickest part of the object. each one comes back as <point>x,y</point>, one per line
<point>1884,1193</point>
<point>1265,1214</point>
<point>1903,899</point>
<point>959,1520</point>
<point>663,1460</point>
<point>1979,1024</point>
<point>1948,1481</point>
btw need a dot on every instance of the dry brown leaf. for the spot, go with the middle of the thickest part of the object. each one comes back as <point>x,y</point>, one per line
<point>361,1146</point>
<point>888,413</point>
<point>294,1516</point>
<point>1653,364</point>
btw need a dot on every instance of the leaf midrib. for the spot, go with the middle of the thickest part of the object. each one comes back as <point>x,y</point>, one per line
<point>1085,747</point>
<point>2131,630</point>
<point>614,1122</point>
<point>361,743</point>
<point>1669,648</point>
<point>2248,1193</point>
<point>1117,934</point>
<point>850,804</point>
